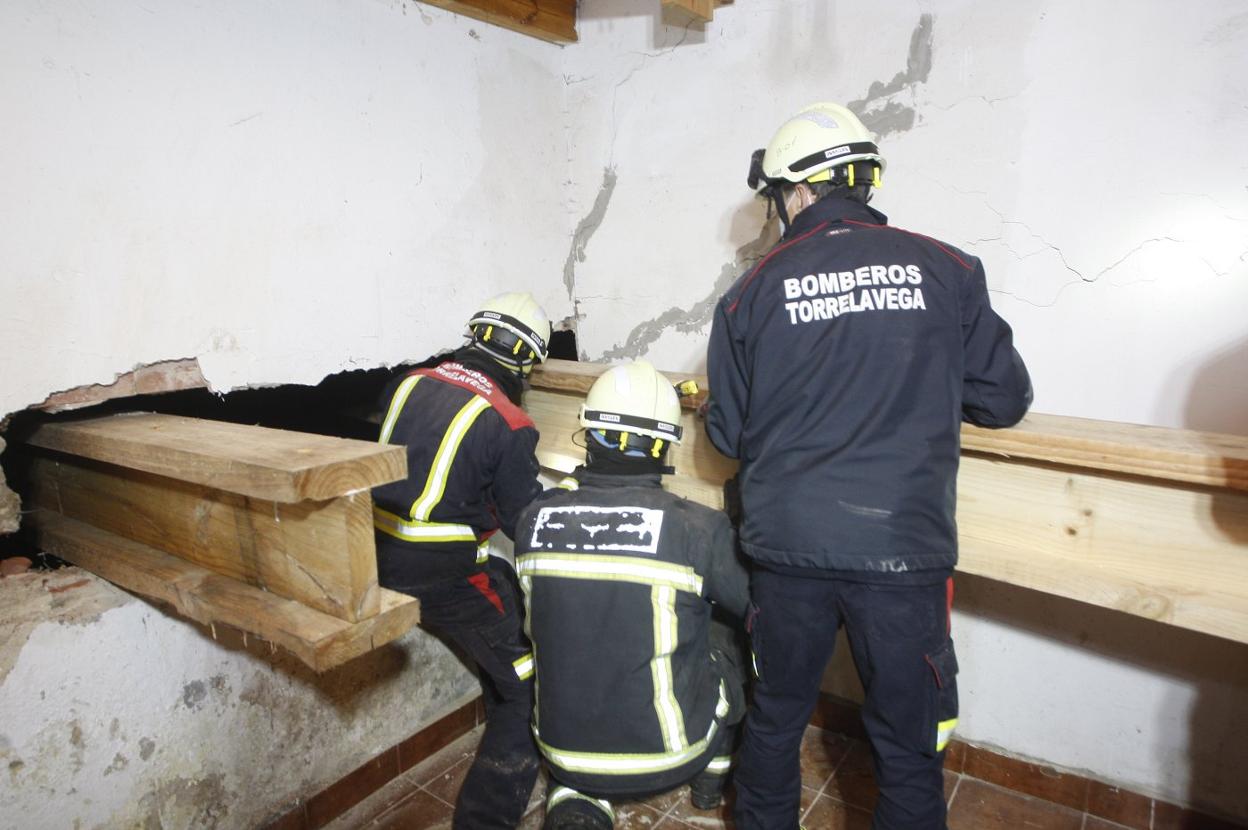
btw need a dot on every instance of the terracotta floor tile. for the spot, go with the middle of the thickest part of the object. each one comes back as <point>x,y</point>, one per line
<point>446,786</point>
<point>951,783</point>
<point>829,814</point>
<point>1170,817</point>
<point>1025,777</point>
<point>1094,823</point>
<point>1121,806</point>
<point>664,802</point>
<point>636,817</point>
<point>436,765</point>
<point>420,811</point>
<point>854,782</point>
<point>955,757</point>
<point>980,806</point>
<point>376,804</point>
<point>822,751</point>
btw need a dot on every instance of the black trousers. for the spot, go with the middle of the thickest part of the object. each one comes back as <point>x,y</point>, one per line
<point>484,617</point>
<point>899,638</point>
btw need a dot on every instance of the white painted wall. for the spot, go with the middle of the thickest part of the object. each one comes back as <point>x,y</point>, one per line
<point>280,191</point>
<point>1095,156</point>
<point>116,714</point>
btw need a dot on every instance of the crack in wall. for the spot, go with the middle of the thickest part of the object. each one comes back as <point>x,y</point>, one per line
<point>878,111</point>
<point>697,316</point>
<point>585,230</point>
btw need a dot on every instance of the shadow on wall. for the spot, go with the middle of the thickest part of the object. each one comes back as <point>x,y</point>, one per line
<point>1218,400</point>
<point>671,26</point>
<point>1213,670</point>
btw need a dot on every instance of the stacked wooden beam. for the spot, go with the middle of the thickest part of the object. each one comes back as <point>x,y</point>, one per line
<point>1146,520</point>
<point>265,530</point>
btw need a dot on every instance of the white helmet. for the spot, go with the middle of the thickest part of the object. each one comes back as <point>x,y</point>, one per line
<point>816,139</point>
<point>513,328</point>
<point>634,400</point>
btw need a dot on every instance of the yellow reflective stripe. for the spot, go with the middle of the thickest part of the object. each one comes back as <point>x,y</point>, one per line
<point>561,793</point>
<point>524,666</point>
<point>483,552</point>
<point>624,764</point>
<point>410,530</point>
<point>396,406</point>
<point>944,731</point>
<point>671,721</point>
<point>610,568</point>
<point>720,764</point>
<point>435,485</point>
<point>569,483</point>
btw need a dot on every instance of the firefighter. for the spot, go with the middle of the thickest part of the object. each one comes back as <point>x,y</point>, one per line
<point>638,690</point>
<point>471,470</point>
<point>840,368</point>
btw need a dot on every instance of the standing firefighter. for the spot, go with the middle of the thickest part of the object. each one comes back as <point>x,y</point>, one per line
<point>840,369</point>
<point>471,470</point>
<point>638,691</point>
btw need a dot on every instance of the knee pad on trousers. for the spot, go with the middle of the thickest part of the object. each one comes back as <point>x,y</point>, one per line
<point>566,809</point>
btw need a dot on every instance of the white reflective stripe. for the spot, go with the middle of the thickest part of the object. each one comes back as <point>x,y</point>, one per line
<point>722,707</point>
<point>720,765</point>
<point>671,722</point>
<point>613,764</point>
<point>435,485</point>
<point>483,551</point>
<point>417,531</point>
<point>561,793</point>
<point>524,667</point>
<point>944,731</point>
<point>396,406</point>
<point>617,568</point>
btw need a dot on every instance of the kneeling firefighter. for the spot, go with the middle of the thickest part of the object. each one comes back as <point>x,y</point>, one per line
<point>471,469</point>
<point>638,689</point>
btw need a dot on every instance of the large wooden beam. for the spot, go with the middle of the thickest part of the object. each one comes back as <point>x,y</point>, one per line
<point>273,464</point>
<point>549,20</point>
<point>320,553</point>
<point>1149,521</point>
<point>319,640</point>
<point>1173,454</point>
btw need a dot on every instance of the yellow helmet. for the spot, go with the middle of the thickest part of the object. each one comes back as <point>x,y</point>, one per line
<point>819,137</point>
<point>635,400</point>
<point>513,329</point>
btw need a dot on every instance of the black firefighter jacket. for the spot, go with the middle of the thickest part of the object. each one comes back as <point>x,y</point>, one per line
<point>617,574</point>
<point>841,367</point>
<point>471,469</point>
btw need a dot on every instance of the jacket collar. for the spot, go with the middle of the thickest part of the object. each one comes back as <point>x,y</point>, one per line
<point>589,478</point>
<point>833,209</point>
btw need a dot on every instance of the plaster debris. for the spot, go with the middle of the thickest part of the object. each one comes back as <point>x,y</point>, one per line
<point>146,747</point>
<point>697,316</point>
<point>10,504</point>
<point>586,228</point>
<point>878,109</point>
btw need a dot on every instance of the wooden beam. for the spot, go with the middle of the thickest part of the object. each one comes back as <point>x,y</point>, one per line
<point>319,640</point>
<point>703,10</point>
<point>1173,454</point>
<point>272,464</point>
<point>320,553</point>
<point>1149,521</point>
<point>550,20</point>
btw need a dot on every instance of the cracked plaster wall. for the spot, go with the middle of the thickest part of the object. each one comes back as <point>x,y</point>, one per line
<point>279,193</point>
<point>1093,156</point>
<point>119,715</point>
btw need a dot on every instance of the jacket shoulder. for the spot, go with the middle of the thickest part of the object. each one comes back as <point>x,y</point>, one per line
<point>939,248</point>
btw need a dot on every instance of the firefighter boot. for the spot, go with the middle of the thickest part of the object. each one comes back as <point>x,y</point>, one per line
<point>706,790</point>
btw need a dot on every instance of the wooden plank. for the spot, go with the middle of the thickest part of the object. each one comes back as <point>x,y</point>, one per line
<point>1175,454</point>
<point>703,10</point>
<point>550,20</point>
<point>273,464</point>
<point>1171,552</point>
<point>574,376</point>
<point>320,553</point>
<point>319,640</point>
<point>1157,547</point>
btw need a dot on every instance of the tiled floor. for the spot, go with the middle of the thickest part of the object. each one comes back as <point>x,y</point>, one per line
<point>838,793</point>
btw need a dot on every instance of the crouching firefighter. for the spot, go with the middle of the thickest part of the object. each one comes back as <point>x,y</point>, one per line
<point>638,690</point>
<point>471,470</point>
